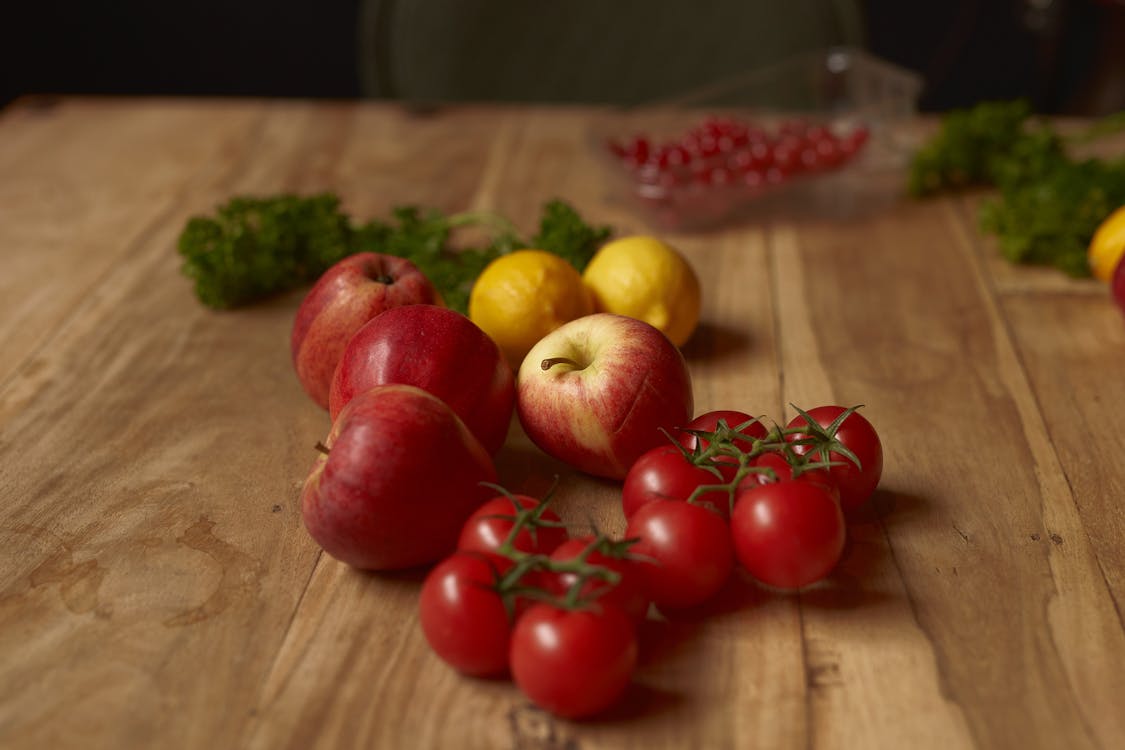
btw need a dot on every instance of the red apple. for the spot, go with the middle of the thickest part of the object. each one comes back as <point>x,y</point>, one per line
<point>400,476</point>
<point>347,295</point>
<point>596,392</point>
<point>440,351</point>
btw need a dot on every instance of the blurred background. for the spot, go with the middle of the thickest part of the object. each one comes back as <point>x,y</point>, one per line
<point>1065,56</point>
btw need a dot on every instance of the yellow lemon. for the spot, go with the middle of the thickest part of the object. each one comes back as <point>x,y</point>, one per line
<point>521,297</point>
<point>1107,245</point>
<point>645,278</point>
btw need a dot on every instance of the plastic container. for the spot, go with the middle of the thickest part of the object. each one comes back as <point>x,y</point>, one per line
<point>751,146</point>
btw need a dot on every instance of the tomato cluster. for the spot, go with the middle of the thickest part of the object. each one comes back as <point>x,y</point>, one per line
<point>521,597</point>
<point>725,152</point>
<point>730,489</point>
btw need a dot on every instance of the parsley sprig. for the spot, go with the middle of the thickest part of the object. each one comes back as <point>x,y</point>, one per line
<point>1049,203</point>
<point>253,248</point>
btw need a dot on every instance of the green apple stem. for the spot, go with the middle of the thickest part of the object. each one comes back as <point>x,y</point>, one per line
<point>550,362</point>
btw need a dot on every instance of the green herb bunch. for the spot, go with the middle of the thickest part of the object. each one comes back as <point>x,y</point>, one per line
<point>1049,203</point>
<point>253,248</point>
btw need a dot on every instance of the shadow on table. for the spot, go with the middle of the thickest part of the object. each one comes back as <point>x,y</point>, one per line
<point>867,553</point>
<point>411,577</point>
<point>712,341</point>
<point>640,701</point>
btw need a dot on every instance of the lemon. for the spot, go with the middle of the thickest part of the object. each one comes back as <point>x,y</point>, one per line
<point>521,297</point>
<point>645,278</point>
<point>1107,245</point>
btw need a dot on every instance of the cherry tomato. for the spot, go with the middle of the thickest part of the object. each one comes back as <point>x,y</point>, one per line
<point>463,616</point>
<point>856,483</point>
<point>628,594</point>
<point>663,473</point>
<point>573,663</point>
<point>787,534</point>
<point>690,551</point>
<point>491,524</point>
<point>709,421</point>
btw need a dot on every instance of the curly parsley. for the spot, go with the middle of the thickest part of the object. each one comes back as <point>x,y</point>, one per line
<point>1049,203</point>
<point>253,248</point>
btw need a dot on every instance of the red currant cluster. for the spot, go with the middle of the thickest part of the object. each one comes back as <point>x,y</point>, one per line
<point>723,151</point>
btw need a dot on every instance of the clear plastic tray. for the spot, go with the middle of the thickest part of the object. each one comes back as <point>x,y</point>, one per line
<point>741,148</point>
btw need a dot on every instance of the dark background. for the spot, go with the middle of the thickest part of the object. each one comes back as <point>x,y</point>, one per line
<point>1057,53</point>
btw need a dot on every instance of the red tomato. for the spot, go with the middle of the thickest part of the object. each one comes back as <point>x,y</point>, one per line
<point>463,616</point>
<point>787,534</point>
<point>573,663</point>
<point>664,474</point>
<point>856,483</point>
<point>628,594</point>
<point>491,524</point>
<point>690,550</point>
<point>708,421</point>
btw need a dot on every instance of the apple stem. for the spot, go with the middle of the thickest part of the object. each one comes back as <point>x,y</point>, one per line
<point>550,362</point>
<point>384,279</point>
<point>322,448</point>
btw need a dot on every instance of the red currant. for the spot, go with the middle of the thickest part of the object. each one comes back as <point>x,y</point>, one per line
<point>829,151</point>
<point>638,150</point>
<point>719,176</point>
<point>672,156</point>
<point>809,159</point>
<point>761,153</point>
<point>754,178</point>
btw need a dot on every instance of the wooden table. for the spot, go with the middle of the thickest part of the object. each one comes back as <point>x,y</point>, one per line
<point>157,588</point>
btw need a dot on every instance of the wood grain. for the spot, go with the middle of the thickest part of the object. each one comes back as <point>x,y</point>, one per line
<point>156,585</point>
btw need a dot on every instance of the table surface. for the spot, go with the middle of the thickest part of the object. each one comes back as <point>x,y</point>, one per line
<point>157,587</point>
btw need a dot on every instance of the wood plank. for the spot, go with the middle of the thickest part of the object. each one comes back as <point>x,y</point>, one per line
<point>859,626</point>
<point>1068,336</point>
